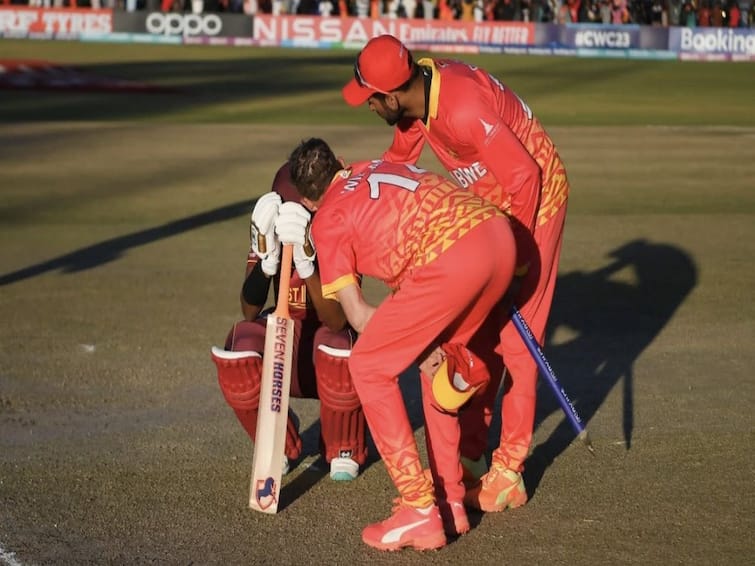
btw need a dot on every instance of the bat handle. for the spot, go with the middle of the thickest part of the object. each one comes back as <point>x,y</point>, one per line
<point>281,307</point>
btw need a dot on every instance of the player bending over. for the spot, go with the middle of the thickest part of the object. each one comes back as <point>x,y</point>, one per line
<point>422,236</point>
<point>491,144</point>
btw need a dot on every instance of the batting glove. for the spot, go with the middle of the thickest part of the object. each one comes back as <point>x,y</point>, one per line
<point>292,227</point>
<point>265,243</point>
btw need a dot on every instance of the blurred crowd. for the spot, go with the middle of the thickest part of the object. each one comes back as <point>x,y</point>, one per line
<point>689,13</point>
<point>719,13</point>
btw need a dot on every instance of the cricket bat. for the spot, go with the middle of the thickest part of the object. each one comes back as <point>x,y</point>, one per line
<point>269,443</point>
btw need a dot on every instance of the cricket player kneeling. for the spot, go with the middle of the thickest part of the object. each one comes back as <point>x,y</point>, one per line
<point>239,375</point>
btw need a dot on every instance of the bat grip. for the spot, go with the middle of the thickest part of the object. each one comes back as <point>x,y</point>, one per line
<point>281,307</point>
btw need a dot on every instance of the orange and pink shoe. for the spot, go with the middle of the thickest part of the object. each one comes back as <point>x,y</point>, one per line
<point>497,490</point>
<point>453,513</point>
<point>418,528</point>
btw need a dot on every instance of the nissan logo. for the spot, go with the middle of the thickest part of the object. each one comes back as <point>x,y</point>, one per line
<point>184,24</point>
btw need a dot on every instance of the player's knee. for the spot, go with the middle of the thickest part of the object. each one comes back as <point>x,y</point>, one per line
<point>340,340</point>
<point>246,336</point>
<point>335,388</point>
<point>343,426</point>
<point>239,376</point>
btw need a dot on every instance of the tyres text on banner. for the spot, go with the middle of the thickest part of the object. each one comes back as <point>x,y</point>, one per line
<point>52,22</point>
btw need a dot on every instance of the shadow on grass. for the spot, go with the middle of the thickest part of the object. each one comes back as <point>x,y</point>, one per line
<point>110,250</point>
<point>613,321</point>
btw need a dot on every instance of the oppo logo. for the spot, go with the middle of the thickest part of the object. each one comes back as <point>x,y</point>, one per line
<point>184,24</point>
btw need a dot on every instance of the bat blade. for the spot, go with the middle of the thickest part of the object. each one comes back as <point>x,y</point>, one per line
<point>272,418</point>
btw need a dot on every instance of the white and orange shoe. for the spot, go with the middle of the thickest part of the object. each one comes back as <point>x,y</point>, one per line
<point>499,489</point>
<point>418,528</point>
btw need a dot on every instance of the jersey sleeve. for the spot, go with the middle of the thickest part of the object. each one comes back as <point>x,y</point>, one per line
<point>336,259</point>
<point>408,141</point>
<point>511,165</point>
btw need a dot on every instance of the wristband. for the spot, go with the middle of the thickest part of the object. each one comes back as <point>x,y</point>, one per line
<point>256,287</point>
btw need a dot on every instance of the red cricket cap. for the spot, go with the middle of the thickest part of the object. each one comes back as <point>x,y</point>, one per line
<point>383,65</point>
<point>461,375</point>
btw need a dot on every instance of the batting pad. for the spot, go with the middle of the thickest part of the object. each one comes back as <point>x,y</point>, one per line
<point>230,355</point>
<point>335,352</point>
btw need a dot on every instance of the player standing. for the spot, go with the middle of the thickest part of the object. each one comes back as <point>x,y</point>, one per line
<point>416,232</point>
<point>491,143</point>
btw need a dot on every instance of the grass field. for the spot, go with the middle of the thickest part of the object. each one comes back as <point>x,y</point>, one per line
<point>123,222</point>
<point>237,85</point>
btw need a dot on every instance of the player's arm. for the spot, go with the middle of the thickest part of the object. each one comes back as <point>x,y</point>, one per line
<point>255,289</point>
<point>512,166</point>
<point>329,312</point>
<point>293,226</point>
<point>516,170</point>
<point>520,176</point>
<point>263,259</point>
<point>358,311</point>
<point>407,143</point>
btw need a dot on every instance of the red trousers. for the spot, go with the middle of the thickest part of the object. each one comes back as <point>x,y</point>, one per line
<point>518,405</point>
<point>444,301</point>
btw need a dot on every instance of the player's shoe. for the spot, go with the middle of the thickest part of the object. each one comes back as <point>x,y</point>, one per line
<point>499,489</point>
<point>473,470</point>
<point>343,469</point>
<point>418,528</point>
<point>454,516</point>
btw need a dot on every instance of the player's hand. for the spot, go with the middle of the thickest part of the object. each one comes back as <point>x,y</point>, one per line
<point>265,243</point>
<point>292,227</point>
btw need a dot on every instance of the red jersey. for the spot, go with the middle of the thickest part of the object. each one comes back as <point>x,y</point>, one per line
<point>384,219</point>
<point>488,140</point>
